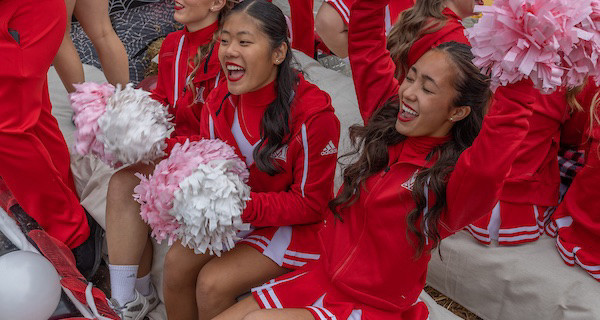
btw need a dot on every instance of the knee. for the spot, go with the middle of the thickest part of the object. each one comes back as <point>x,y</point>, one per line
<point>328,22</point>
<point>254,315</point>
<point>177,272</point>
<point>210,285</point>
<point>120,186</point>
<point>99,33</point>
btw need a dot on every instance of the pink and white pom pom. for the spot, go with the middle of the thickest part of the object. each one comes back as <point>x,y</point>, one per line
<point>134,127</point>
<point>552,42</point>
<point>196,195</point>
<point>89,103</point>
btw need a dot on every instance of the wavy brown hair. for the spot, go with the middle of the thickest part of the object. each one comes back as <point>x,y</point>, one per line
<point>423,18</point>
<point>371,144</point>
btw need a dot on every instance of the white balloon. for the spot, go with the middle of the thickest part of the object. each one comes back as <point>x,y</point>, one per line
<point>29,286</point>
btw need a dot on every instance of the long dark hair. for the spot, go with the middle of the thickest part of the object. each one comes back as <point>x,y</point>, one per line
<point>371,144</point>
<point>275,125</point>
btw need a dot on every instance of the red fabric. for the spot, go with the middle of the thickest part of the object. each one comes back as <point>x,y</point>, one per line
<point>577,218</point>
<point>303,26</point>
<point>320,298</point>
<point>185,110</point>
<point>283,199</point>
<point>534,179</point>
<point>360,257</point>
<point>372,67</point>
<point>520,223</point>
<point>573,131</point>
<point>395,8</point>
<point>34,158</point>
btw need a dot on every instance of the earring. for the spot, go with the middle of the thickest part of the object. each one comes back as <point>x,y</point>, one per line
<point>451,119</point>
<point>277,61</point>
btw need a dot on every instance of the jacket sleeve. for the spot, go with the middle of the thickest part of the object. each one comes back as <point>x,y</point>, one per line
<point>162,85</point>
<point>204,132</point>
<point>314,169</point>
<point>371,63</point>
<point>475,184</point>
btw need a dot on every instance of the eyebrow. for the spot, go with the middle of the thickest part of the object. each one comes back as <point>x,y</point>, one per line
<point>239,33</point>
<point>426,77</point>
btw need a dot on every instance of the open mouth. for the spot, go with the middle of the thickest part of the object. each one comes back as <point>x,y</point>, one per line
<point>479,2</point>
<point>407,113</point>
<point>234,71</point>
<point>178,6</point>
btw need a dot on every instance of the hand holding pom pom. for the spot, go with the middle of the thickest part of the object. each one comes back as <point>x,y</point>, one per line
<point>553,42</point>
<point>197,195</point>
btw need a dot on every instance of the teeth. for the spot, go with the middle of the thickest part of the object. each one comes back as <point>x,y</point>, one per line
<point>234,68</point>
<point>409,110</point>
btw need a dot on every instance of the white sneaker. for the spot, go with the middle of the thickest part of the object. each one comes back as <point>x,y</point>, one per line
<point>152,298</point>
<point>136,309</point>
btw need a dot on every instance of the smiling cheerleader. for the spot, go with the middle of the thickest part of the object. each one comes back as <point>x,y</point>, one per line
<point>286,131</point>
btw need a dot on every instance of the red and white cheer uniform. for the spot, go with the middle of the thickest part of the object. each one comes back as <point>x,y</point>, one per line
<point>176,62</point>
<point>358,274</point>
<point>286,209</point>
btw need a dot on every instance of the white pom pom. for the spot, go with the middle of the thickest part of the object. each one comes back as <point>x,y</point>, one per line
<point>209,205</point>
<point>134,127</point>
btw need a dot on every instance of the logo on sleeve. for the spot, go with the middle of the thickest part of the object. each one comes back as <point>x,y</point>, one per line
<point>329,149</point>
<point>281,153</point>
<point>410,183</point>
<point>200,95</point>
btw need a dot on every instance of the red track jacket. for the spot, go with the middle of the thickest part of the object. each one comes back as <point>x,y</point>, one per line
<point>179,49</point>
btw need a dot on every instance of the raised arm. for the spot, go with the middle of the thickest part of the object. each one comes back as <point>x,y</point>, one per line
<point>372,66</point>
<point>475,184</point>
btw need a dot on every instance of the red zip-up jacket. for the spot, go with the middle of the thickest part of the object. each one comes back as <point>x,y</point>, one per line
<point>372,68</point>
<point>368,256</point>
<point>176,62</point>
<point>534,177</point>
<point>298,195</point>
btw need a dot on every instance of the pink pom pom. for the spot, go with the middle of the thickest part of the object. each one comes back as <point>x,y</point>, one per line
<point>582,58</point>
<point>156,193</point>
<point>552,42</point>
<point>89,103</point>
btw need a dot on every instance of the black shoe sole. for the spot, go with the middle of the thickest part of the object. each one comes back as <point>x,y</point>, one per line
<point>97,233</point>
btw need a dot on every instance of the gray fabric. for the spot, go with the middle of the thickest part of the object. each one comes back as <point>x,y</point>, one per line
<point>526,282</point>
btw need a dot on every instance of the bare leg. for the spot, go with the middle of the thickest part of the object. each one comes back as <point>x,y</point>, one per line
<point>126,232</point>
<point>332,29</point>
<point>93,17</point>
<point>222,280</point>
<point>67,62</point>
<point>182,267</point>
<point>248,309</point>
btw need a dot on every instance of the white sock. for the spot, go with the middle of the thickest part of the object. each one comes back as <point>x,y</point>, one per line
<point>143,285</point>
<point>122,282</point>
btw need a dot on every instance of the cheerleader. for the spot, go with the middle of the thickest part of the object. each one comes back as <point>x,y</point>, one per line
<point>333,19</point>
<point>576,222</point>
<point>34,157</point>
<point>188,70</point>
<point>531,191</point>
<point>93,17</point>
<point>286,131</point>
<point>424,171</point>
<point>405,44</point>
